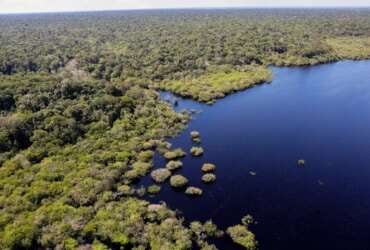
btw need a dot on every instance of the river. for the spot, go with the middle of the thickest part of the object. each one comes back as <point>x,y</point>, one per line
<point>320,114</point>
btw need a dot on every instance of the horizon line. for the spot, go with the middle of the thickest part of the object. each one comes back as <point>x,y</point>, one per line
<point>186,8</point>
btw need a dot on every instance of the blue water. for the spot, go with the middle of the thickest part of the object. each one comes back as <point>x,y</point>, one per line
<point>320,114</point>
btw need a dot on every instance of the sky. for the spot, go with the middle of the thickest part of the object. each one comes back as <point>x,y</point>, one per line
<point>24,6</point>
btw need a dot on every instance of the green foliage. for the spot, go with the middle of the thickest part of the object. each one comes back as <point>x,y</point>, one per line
<point>142,168</point>
<point>99,246</point>
<point>117,221</point>
<point>70,244</point>
<point>196,151</point>
<point>145,156</point>
<point>154,189</point>
<point>79,117</point>
<point>65,161</point>
<point>217,83</point>
<point>202,231</point>
<point>208,178</point>
<point>241,235</point>
<point>125,190</point>
<point>178,181</point>
<point>123,223</point>
<point>160,175</point>
<point>15,131</point>
<point>174,165</point>
<point>174,154</point>
<point>168,235</point>
<point>160,46</point>
<point>208,167</point>
<point>194,191</point>
<point>20,234</point>
<point>351,47</point>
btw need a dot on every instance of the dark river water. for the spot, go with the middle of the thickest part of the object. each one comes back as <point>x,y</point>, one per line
<point>320,114</point>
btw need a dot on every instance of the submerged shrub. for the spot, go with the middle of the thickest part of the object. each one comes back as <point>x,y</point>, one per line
<point>173,165</point>
<point>208,178</point>
<point>193,191</point>
<point>194,134</point>
<point>174,154</point>
<point>141,191</point>
<point>178,181</point>
<point>160,175</point>
<point>252,173</point>
<point>301,162</point>
<point>241,235</point>
<point>211,230</point>
<point>196,151</point>
<point>208,167</point>
<point>196,140</point>
<point>154,189</point>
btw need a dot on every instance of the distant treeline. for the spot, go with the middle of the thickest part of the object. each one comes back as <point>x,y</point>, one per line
<point>171,45</point>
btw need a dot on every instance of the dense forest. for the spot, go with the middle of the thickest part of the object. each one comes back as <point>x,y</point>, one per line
<point>81,118</point>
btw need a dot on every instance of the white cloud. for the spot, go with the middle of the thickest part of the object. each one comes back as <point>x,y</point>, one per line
<point>11,6</point>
